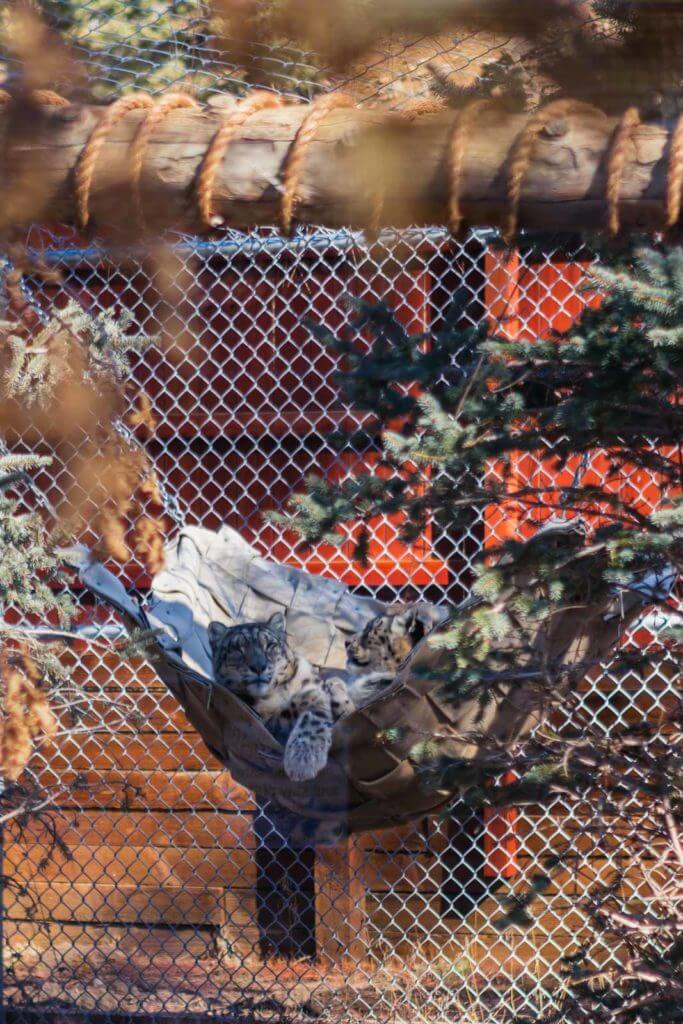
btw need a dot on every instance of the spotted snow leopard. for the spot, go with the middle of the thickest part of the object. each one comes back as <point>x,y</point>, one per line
<point>386,641</point>
<point>299,707</point>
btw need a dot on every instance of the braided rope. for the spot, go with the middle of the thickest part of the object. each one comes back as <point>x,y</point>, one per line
<point>294,162</point>
<point>520,158</point>
<point>87,160</point>
<point>420,107</point>
<point>155,115</point>
<point>47,97</point>
<point>375,214</point>
<point>616,159</point>
<point>258,100</point>
<point>456,158</point>
<point>674,175</point>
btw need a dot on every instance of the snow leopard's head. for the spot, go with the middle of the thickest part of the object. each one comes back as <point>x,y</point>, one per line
<point>252,659</point>
<point>385,641</point>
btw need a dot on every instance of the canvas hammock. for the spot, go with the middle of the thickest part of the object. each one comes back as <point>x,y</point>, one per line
<point>371,781</point>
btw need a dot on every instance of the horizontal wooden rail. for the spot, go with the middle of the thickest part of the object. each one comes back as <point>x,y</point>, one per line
<point>568,167</point>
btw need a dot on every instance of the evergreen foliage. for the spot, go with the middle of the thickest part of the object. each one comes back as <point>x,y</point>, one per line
<point>65,375</point>
<point>29,563</point>
<point>161,45</point>
<point>93,347</point>
<point>31,590</point>
<point>609,385</point>
<point>147,44</point>
<point>455,413</point>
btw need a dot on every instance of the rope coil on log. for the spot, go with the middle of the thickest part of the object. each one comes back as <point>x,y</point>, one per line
<point>674,175</point>
<point>256,101</point>
<point>518,163</point>
<point>456,158</point>
<point>616,159</point>
<point>47,97</point>
<point>420,107</point>
<point>520,158</point>
<point>156,113</point>
<point>375,214</point>
<point>87,160</point>
<point>294,162</point>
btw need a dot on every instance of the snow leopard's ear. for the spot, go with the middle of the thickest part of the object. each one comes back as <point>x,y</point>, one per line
<point>276,624</point>
<point>411,621</point>
<point>216,633</point>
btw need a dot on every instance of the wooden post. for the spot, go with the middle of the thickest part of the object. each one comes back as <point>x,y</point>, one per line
<point>501,291</point>
<point>463,859</point>
<point>340,905</point>
<point>238,936</point>
<point>307,902</point>
<point>285,890</point>
<point>501,845</point>
<point>355,156</point>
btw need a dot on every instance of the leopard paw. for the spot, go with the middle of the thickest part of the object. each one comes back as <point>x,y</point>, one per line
<point>306,754</point>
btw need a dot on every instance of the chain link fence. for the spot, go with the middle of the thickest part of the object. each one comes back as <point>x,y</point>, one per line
<point>151,883</point>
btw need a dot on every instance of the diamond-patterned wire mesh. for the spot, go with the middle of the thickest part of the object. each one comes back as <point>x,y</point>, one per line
<point>170,891</point>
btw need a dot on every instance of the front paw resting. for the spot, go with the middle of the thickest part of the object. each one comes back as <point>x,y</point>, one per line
<point>306,755</point>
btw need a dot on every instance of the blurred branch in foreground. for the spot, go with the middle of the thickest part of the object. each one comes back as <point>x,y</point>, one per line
<point>613,53</point>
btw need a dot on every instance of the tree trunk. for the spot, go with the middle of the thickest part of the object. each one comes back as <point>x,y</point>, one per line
<point>359,161</point>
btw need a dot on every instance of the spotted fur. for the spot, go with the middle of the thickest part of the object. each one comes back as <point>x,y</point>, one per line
<point>385,642</point>
<point>300,707</point>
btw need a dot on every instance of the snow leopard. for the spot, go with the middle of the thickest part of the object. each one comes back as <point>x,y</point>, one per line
<point>297,704</point>
<point>386,641</point>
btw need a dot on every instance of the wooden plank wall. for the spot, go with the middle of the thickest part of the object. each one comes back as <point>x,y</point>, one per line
<point>158,849</point>
<point>154,832</point>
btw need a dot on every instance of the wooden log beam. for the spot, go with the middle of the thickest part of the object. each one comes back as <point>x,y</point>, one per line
<point>360,165</point>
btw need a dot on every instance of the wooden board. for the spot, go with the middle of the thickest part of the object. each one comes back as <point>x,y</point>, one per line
<point>389,913</point>
<point>120,710</point>
<point>147,790</point>
<point>115,904</point>
<point>400,838</point>
<point>485,954</point>
<point>109,751</point>
<point>59,939</point>
<point>340,902</point>
<point>134,865</point>
<point>400,872</point>
<point>138,828</point>
<point>239,935</point>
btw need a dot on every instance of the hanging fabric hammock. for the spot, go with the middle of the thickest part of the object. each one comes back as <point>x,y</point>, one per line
<point>370,781</point>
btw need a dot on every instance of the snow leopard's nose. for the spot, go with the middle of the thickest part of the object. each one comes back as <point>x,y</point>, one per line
<point>258,664</point>
<point>259,670</point>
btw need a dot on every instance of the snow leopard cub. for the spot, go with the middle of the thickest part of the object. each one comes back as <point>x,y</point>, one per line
<point>299,707</point>
<point>386,641</point>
